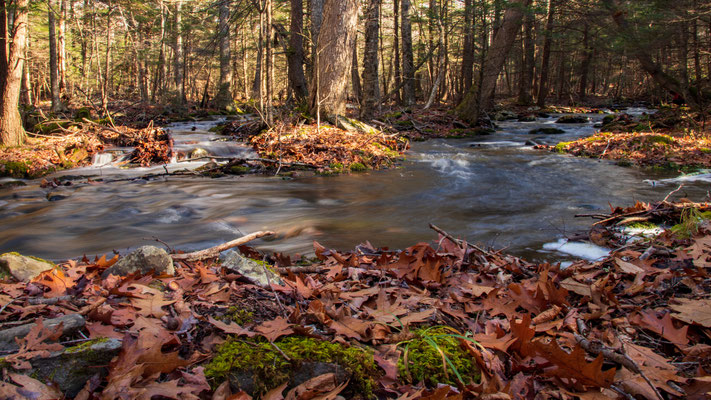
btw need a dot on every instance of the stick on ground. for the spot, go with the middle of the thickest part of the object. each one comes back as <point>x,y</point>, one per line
<point>216,250</point>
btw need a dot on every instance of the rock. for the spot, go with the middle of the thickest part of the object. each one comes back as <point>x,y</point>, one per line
<point>546,131</point>
<point>199,153</point>
<point>505,115</point>
<point>72,367</point>
<point>527,118</point>
<point>352,125</point>
<point>543,115</point>
<point>572,119</point>
<point>70,324</point>
<point>254,271</point>
<point>23,268</point>
<point>245,380</point>
<point>144,260</point>
<point>531,143</point>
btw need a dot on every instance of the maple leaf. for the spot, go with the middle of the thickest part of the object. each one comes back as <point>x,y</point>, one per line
<point>573,365</point>
<point>693,311</point>
<point>33,345</point>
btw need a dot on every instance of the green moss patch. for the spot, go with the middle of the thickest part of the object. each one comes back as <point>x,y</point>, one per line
<point>435,355</point>
<point>269,368</point>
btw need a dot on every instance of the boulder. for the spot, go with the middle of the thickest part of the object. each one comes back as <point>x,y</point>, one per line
<point>143,260</point>
<point>199,153</point>
<point>572,119</point>
<point>352,125</point>
<point>546,131</point>
<point>23,268</point>
<point>505,115</point>
<point>245,379</point>
<point>70,324</point>
<point>527,118</point>
<point>72,367</point>
<point>255,271</point>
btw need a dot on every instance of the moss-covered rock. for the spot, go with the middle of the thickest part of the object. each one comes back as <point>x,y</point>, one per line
<point>546,131</point>
<point>258,366</point>
<point>357,167</point>
<point>572,119</point>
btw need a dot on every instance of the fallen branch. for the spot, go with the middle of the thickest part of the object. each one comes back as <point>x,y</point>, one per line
<point>459,242</point>
<point>216,250</point>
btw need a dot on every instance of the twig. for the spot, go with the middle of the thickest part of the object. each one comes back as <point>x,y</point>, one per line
<point>458,242</point>
<point>49,301</point>
<point>216,250</point>
<point>612,355</point>
<point>669,195</point>
<point>276,296</point>
<point>91,307</point>
<point>5,306</point>
<point>314,269</point>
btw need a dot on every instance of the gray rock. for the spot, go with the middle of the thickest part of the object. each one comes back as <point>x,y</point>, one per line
<point>70,324</point>
<point>72,367</point>
<point>546,131</point>
<point>572,119</point>
<point>245,379</point>
<point>352,125</point>
<point>22,268</point>
<point>144,260</point>
<point>505,115</point>
<point>255,271</point>
<point>527,118</point>
<point>199,153</point>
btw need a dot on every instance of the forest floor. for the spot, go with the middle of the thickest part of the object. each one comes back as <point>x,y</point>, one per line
<point>441,320</point>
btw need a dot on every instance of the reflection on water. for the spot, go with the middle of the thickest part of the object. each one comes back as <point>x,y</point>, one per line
<point>493,190</point>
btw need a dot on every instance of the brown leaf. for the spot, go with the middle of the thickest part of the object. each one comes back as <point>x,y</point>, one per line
<point>693,311</point>
<point>28,388</point>
<point>323,386</point>
<point>234,329</point>
<point>33,345</point>
<point>274,329</point>
<point>573,365</point>
<point>661,326</point>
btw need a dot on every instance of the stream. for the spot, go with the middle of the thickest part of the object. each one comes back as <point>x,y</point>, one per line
<point>494,190</point>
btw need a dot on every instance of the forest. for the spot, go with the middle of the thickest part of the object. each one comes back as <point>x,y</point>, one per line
<point>355,199</point>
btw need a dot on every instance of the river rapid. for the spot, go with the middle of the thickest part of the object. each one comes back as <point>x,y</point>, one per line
<point>495,190</point>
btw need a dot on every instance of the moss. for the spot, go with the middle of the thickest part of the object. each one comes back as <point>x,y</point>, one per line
<point>336,167</point>
<point>422,360</point>
<point>269,368</point>
<point>239,315</point>
<point>217,129</point>
<point>81,113</point>
<point>608,119</point>
<point>239,169</point>
<point>642,225</point>
<point>405,123</point>
<point>16,169</point>
<point>357,167</point>
<point>14,253</point>
<point>85,345</point>
<point>661,139</point>
<point>394,115</point>
<point>623,163</point>
<point>266,265</point>
<point>562,147</point>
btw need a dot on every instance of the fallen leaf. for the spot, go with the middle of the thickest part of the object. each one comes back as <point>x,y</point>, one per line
<point>693,311</point>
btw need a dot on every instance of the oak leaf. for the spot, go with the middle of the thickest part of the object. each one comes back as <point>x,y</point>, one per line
<point>573,365</point>
<point>693,311</point>
<point>662,326</point>
<point>33,345</point>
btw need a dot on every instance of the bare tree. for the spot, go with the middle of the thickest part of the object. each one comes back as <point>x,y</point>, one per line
<point>12,49</point>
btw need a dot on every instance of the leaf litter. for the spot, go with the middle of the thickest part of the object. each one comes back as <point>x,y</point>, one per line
<point>634,325</point>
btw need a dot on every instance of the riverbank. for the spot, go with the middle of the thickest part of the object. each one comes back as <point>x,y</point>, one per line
<point>373,322</point>
<point>669,139</point>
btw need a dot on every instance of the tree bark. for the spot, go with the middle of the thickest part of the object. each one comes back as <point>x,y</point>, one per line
<point>355,74</point>
<point>53,64</point>
<point>480,96</point>
<point>224,94</point>
<point>329,82</point>
<point>396,49</point>
<point>62,47</point>
<point>11,132</point>
<point>524,94</point>
<point>295,55</point>
<point>545,57</point>
<point>585,64</point>
<point>371,89</point>
<point>467,48</point>
<point>408,64</point>
<point>178,66</point>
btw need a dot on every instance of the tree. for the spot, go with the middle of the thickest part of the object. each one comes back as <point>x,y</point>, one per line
<point>371,89</point>
<point>224,93</point>
<point>295,53</point>
<point>11,62</point>
<point>545,58</point>
<point>333,58</point>
<point>408,64</point>
<point>480,96</point>
<point>53,63</point>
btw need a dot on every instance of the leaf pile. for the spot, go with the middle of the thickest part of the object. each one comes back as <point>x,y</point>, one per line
<point>642,148</point>
<point>630,326</point>
<point>328,147</point>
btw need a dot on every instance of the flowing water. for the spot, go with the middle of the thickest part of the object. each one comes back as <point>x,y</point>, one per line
<point>494,190</point>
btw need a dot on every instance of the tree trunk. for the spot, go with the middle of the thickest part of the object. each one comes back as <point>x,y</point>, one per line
<point>355,74</point>
<point>53,65</point>
<point>371,89</point>
<point>269,61</point>
<point>524,94</point>
<point>178,62</point>
<point>329,83</point>
<point>11,132</point>
<point>62,47</point>
<point>467,48</point>
<point>480,95</point>
<point>295,55</point>
<point>396,49</point>
<point>408,64</point>
<point>585,64</point>
<point>224,92</point>
<point>316,18</point>
<point>545,58</point>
